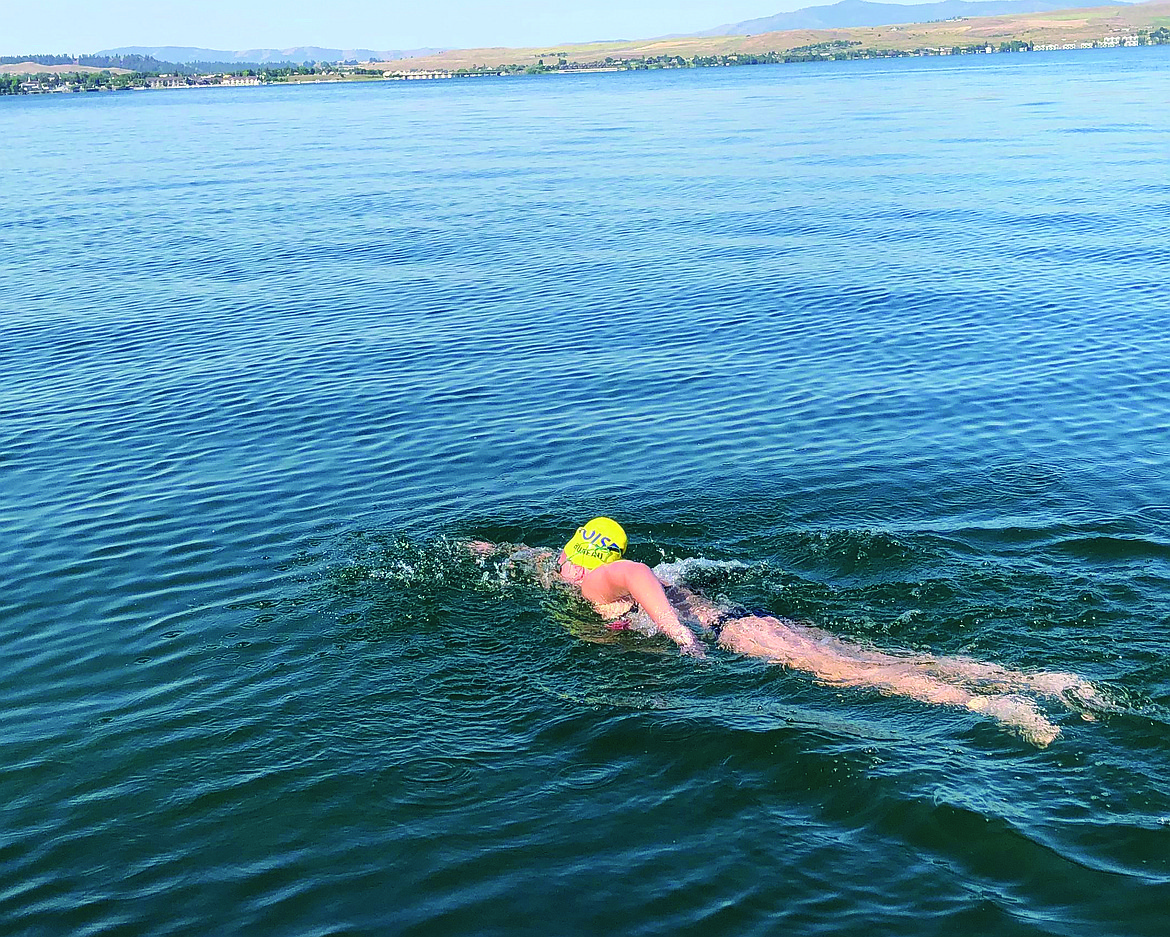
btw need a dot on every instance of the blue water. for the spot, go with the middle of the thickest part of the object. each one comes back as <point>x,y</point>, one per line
<point>880,346</point>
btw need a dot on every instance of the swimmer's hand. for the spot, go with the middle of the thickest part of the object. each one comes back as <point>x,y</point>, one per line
<point>690,646</point>
<point>481,547</point>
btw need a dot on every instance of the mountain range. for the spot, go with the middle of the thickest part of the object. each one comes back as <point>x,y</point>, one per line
<point>850,13</point>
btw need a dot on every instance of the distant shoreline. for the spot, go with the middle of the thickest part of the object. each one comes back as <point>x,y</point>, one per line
<point>107,80</point>
<point>1137,25</point>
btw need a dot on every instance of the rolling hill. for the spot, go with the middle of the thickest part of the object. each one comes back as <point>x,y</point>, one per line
<point>850,13</point>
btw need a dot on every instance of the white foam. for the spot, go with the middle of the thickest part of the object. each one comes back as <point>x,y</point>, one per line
<point>673,574</point>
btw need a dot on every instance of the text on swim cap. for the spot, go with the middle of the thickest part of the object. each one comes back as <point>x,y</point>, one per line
<point>598,540</point>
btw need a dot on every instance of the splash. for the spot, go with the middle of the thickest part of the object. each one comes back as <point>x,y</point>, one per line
<point>677,572</point>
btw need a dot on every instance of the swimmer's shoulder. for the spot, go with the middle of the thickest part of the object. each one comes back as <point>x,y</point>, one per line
<point>614,580</point>
<point>617,571</point>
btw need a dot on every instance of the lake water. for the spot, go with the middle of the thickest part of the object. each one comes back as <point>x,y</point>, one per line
<point>881,346</point>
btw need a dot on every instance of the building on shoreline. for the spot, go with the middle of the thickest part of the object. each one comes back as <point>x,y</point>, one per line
<point>417,75</point>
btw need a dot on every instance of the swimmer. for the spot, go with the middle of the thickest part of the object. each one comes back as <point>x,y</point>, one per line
<point>593,562</point>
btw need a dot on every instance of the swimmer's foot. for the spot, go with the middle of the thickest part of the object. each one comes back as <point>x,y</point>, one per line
<point>1019,713</point>
<point>1077,694</point>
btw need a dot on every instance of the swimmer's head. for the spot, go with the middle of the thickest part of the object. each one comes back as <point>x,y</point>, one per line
<point>599,542</point>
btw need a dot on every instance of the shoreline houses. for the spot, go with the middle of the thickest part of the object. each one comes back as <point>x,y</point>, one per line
<point>55,84</point>
<point>200,81</point>
<point>417,75</point>
<point>1109,42</point>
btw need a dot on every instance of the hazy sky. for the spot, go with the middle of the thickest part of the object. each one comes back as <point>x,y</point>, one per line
<point>89,25</point>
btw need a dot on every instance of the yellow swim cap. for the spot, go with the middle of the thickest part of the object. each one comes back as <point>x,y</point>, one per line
<point>599,542</point>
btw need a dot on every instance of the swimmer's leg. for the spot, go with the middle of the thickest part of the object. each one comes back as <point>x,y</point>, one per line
<point>973,672</point>
<point>774,640</point>
<point>1020,713</point>
<point>1070,689</point>
<point>1078,694</point>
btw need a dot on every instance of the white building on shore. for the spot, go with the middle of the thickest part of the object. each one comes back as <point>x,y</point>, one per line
<point>417,75</point>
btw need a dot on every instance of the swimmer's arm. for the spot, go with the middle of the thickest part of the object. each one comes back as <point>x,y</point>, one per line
<point>644,588</point>
<point>534,559</point>
<point>518,551</point>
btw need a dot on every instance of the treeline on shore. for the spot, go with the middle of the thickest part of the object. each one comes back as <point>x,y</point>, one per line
<point>106,80</point>
<point>140,63</point>
<point>74,81</point>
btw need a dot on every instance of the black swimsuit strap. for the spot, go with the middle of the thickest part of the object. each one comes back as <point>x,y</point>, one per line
<point>715,626</point>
